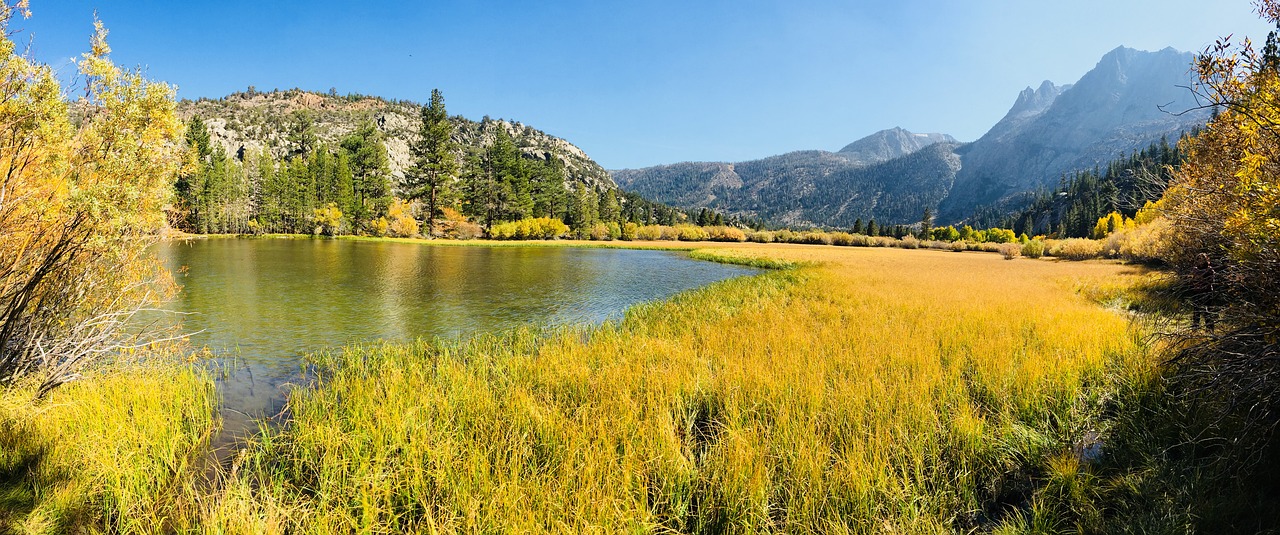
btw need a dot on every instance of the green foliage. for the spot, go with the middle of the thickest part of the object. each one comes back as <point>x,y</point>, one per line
<point>435,166</point>
<point>370,171</point>
<point>1033,249</point>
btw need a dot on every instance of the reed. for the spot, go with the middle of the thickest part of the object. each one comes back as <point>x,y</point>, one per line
<point>118,451</point>
<point>864,390</point>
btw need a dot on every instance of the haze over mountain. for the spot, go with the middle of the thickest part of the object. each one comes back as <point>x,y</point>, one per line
<point>1129,100</point>
<point>1125,103</point>
<point>812,187</point>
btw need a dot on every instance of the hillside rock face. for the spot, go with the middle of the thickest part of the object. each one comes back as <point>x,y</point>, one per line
<point>1125,103</point>
<point>883,176</point>
<point>250,122</point>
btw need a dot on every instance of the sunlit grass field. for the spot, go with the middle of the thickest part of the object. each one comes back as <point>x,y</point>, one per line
<point>857,390</point>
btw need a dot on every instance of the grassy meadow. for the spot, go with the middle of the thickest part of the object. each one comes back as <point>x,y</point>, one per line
<point>856,390</point>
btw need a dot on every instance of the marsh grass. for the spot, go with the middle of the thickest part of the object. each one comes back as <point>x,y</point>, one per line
<point>114,452</point>
<point>866,391</point>
<point>847,390</point>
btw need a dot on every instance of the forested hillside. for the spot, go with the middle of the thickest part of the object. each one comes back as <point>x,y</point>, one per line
<point>1074,207</point>
<point>297,162</point>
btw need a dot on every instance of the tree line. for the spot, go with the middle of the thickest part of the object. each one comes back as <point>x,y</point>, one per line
<point>1073,209</point>
<point>305,186</point>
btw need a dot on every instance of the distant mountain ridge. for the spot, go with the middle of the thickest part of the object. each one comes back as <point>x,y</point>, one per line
<point>1115,108</point>
<point>799,188</point>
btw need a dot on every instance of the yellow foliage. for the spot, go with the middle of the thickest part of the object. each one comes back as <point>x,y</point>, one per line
<point>78,207</point>
<point>379,226</point>
<point>401,221</point>
<point>328,220</point>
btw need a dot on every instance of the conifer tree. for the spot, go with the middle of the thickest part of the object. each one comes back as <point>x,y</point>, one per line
<point>435,165</point>
<point>370,171</point>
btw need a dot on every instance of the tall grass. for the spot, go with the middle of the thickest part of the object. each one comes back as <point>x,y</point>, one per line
<point>869,390</point>
<point>114,452</point>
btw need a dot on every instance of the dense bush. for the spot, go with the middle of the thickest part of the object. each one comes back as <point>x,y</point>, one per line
<point>542,228</point>
<point>725,234</point>
<point>1010,251</point>
<point>692,233</point>
<point>1076,249</point>
<point>649,233</point>
<point>1033,249</point>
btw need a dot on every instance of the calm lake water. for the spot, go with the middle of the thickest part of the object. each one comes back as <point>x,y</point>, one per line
<point>262,305</point>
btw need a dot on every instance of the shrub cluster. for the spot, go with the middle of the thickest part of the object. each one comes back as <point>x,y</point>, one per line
<point>539,228</point>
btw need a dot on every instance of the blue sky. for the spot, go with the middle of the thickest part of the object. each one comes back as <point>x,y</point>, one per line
<point>644,83</point>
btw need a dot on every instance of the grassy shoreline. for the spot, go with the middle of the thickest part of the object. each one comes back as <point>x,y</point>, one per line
<point>860,390</point>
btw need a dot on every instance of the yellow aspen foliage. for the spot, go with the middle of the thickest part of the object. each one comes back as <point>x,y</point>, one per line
<point>1223,206</point>
<point>400,221</point>
<point>79,204</point>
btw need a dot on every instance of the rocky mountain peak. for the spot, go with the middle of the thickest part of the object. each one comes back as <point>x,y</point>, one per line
<point>888,144</point>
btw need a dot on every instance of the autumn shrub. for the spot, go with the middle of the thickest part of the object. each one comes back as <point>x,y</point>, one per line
<point>726,234</point>
<point>1076,249</point>
<point>379,227</point>
<point>959,246</point>
<point>80,204</point>
<point>1000,235</point>
<point>692,233</point>
<point>909,242</point>
<point>327,220</point>
<point>541,228</point>
<point>1033,249</point>
<point>400,221</point>
<point>462,230</point>
<point>760,236</point>
<point>1010,251</point>
<point>599,232</point>
<point>784,236</point>
<point>813,237</point>
<point>629,231</point>
<point>882,241</point>
<point>649,233</point>
<point>843,239</point>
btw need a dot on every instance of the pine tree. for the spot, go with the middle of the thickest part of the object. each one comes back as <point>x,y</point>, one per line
<point>435,166</point>
<point>370,171</point>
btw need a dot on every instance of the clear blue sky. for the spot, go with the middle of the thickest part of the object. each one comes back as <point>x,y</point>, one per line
<point>644,83</point>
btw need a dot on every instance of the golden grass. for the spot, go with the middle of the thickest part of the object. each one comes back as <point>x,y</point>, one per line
<point>867,390</point>
<point>114,452</point>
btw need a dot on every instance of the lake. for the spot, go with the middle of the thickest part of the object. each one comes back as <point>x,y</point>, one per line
<point>262,305</point>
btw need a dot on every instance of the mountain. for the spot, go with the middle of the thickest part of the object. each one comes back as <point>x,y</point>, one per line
<point>889,144</point>
<point>814,187</point>
<point>1123,104</point>
<point>252,121</point>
